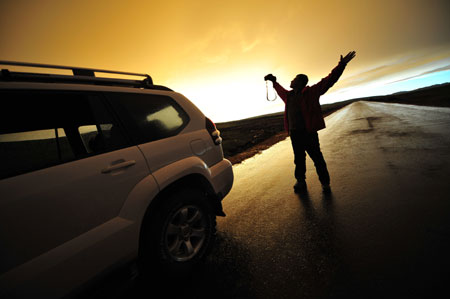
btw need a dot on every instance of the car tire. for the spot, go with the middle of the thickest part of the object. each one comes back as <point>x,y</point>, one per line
<point>180,234</point>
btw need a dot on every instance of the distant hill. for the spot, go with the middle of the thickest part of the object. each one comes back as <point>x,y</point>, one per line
<point>436,95</point>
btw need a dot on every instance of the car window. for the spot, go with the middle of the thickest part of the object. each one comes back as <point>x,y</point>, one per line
<point>29,150</point>
<point>155,116</point>
<point>42,129</point>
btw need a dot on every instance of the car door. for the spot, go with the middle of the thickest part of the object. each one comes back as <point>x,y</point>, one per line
<point>67,168</point>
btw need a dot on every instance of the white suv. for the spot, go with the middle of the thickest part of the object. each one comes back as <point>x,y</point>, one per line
<point>97,172</point>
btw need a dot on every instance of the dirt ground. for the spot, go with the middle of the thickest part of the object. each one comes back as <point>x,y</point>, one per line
<point>256,149</point>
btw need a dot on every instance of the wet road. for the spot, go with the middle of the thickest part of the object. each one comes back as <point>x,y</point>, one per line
<point>383,232</point>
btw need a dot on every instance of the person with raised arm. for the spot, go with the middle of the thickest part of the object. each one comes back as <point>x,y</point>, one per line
<point>303,118</point>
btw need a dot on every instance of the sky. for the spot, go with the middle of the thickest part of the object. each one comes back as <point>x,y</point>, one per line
<point>217,53</point>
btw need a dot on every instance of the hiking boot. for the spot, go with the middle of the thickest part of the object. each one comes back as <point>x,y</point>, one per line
<point>300,187</point>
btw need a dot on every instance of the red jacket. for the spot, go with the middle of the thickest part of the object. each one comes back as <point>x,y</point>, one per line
<point>311,111</point>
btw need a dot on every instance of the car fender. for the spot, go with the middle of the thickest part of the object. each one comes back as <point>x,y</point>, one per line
<point>135,207</point>
<point>172,172</point>
<point>139,199</point>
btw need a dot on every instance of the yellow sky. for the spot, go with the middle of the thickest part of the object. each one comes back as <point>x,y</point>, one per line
<point>217,52</point>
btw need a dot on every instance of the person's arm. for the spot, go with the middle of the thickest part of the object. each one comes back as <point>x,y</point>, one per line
<point>282,93</point>
<point>327,82</point>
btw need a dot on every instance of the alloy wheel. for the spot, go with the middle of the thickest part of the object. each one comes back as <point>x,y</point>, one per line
<point>185,233</point>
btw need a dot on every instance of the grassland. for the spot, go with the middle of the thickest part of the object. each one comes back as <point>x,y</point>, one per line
<point>245,138</point>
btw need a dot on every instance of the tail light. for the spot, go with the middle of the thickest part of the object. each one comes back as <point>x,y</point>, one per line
<point>213,132</point>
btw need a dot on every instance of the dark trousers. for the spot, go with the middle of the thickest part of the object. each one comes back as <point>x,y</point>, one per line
<point>308,142</point>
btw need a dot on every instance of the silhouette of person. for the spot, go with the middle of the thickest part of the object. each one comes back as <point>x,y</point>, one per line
<point>303,118</point>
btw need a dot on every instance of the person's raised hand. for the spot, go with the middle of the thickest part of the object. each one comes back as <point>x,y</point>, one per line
<point>348,57</point>
<point>270,77</point>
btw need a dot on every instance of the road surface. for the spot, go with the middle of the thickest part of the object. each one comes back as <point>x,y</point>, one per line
<point>383,232</point>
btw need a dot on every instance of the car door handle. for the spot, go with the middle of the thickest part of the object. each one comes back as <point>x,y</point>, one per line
<point>118,165</point>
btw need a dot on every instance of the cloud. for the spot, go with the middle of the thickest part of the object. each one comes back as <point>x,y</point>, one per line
<point>247,47</point>
<point>367,75</point>
<point>222,48</point>
<point>220,58</point>
<point>445,68</point>
<point>398,69</point>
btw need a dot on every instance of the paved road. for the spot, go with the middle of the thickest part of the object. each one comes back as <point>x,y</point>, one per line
<point>384,232</point>
<point>385,228</point>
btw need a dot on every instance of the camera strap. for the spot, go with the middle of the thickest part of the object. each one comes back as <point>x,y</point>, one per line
<point>267,92</point>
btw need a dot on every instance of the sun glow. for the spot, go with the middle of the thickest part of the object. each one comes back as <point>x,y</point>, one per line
<point>217,53</point>
<point>230,97</point>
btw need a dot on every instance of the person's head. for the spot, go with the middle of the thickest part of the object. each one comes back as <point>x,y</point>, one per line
<point>299,82</point>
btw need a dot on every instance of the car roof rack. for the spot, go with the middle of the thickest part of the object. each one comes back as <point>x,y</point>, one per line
<point>80,76</point>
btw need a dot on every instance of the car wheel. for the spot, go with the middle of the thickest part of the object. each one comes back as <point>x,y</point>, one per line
<point>181,232</point>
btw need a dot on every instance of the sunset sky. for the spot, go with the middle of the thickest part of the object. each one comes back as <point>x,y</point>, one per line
<point>217,52</point>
